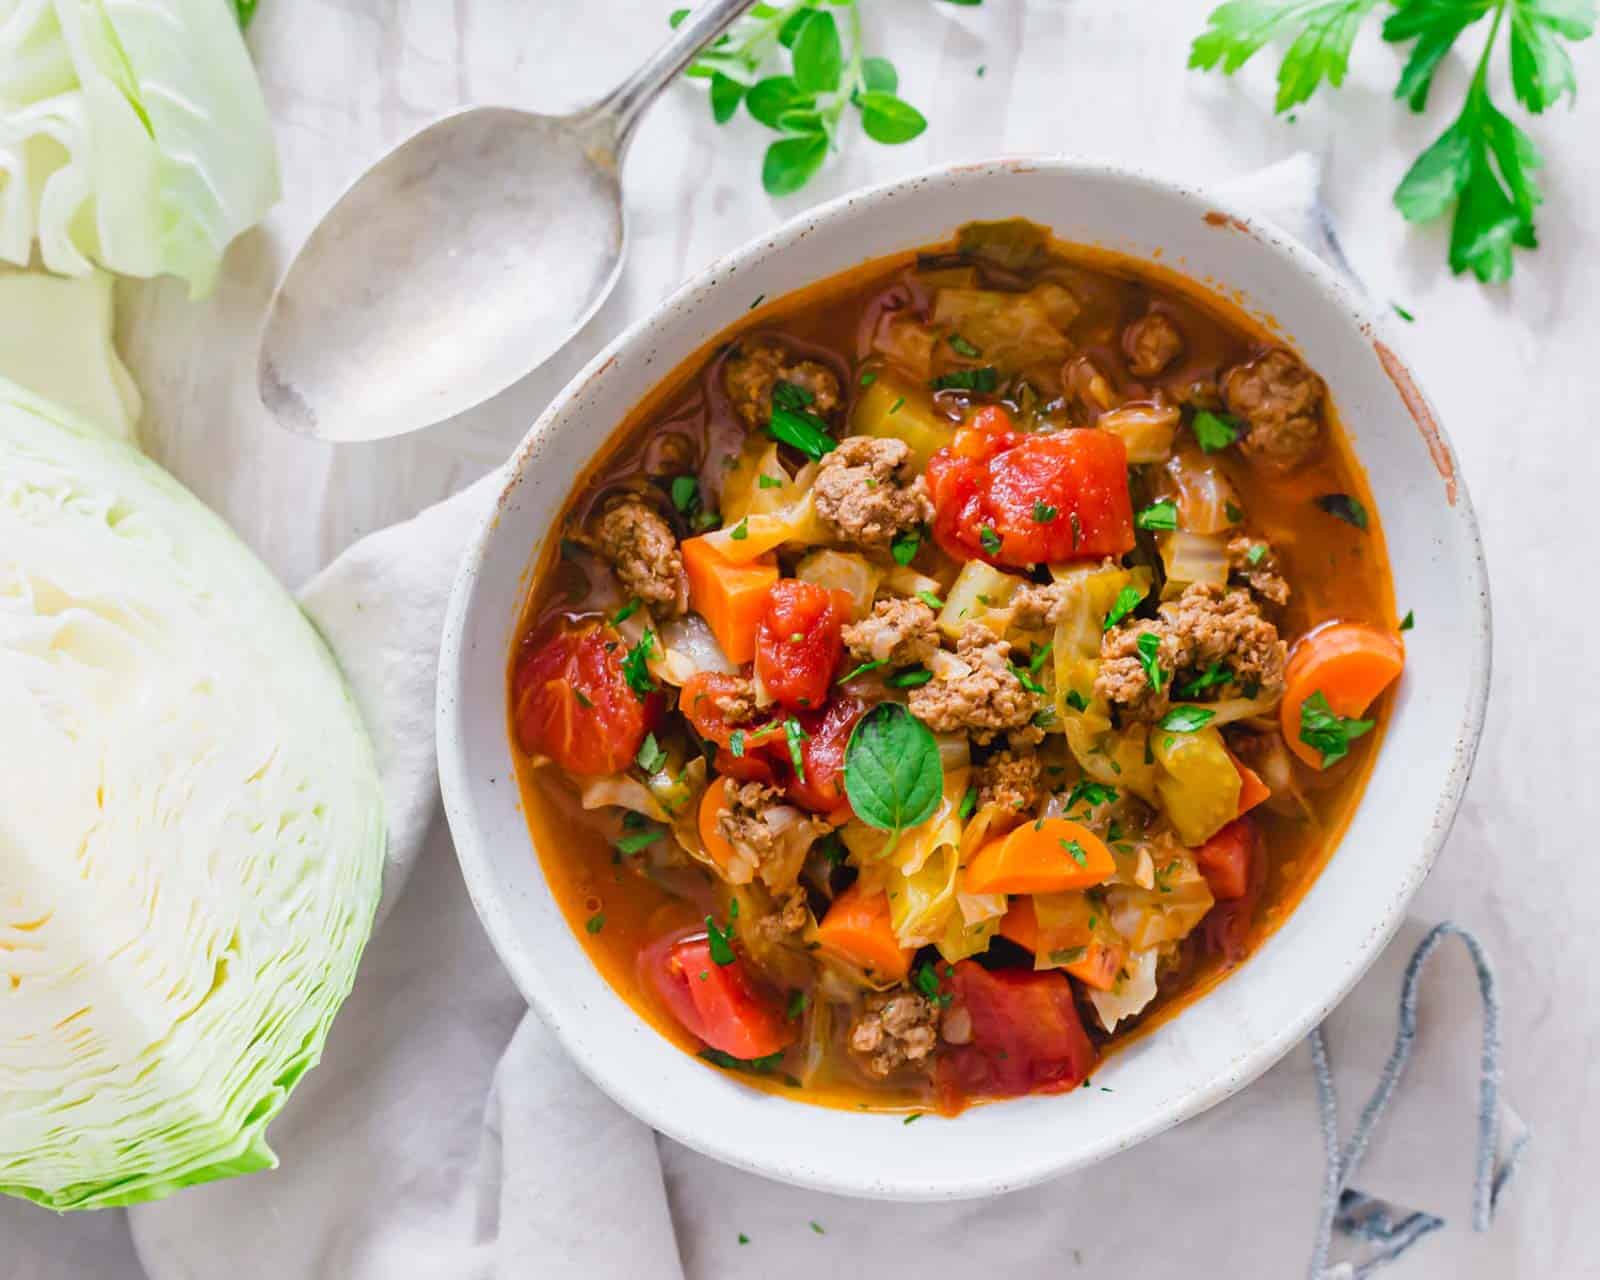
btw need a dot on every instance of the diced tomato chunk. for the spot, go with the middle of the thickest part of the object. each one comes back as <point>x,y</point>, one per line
<point>716,1003</point>
<point>797,642</point>
<point>573,704</point>
<point>1026,1036</point>
<point>822,752</point>
<point>1224,860</point>
<point>1019,500</point>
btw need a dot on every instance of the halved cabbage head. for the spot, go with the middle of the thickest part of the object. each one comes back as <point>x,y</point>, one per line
<point>191,828</point>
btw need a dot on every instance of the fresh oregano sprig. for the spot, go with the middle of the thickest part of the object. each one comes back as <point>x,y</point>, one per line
<point>827,76</point>
<point>1483,165</point>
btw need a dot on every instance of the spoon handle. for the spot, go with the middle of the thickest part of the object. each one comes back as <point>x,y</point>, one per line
<point>623,106</point>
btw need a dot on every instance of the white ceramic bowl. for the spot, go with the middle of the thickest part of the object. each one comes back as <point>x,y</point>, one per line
<point>1227,1038</point>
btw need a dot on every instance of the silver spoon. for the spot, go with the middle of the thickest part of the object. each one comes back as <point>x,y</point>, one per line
<point>461,260</point>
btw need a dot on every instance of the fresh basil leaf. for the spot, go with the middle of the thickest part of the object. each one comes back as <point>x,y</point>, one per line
<point>768,99</point>
<point>1186,719</point>
<point>818,55</point>
<point>726,95</point>
<point>888,119</point>
<point>791,163</point>
<point>676,17</point>
<point>892,771</point>
<point>879,75</point>
<point>1093,794</point>
<point>1327,733</point>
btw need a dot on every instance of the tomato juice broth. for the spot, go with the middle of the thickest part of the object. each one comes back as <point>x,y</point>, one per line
<point>1337,571</point>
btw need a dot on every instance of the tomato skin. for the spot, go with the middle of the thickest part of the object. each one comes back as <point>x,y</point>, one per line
<point>698,702</point>
<point>822,752</point>
<point>1224,860</point>
<point>1226,927</point>
<point>716,1003</point>
<point>1026,1036</point>
<point>999,481</point>
<point>797,642</point>
<point>551,682</point>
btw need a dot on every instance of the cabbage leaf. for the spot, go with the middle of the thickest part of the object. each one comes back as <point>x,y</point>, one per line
<point>133,136</point>
<point>191,828</point>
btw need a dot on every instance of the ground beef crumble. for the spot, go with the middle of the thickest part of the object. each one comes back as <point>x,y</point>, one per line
<point>756,367</point>
<point>758,850</point>
<point>899,632</point>
<point>986,700</point>
<point>1010,780</point>
<point>867,492</point>
<point>894,1028</point>
<point>1151,343</point>
<point>638,544</point>
<point>1279,401</point>
<point>1258,570</point>
<point>1204,627</point>
<point>789,915</point>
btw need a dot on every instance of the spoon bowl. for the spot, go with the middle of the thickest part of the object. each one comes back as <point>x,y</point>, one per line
<point>463,259</point>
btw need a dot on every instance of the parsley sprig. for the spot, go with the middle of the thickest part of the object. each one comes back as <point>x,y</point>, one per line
<point>1483,164</point>
<point>827,76</point>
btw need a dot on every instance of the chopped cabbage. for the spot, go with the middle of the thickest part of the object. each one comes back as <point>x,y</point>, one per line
<point>1198,783</point>
<point>1167,911</point>
<point>980,593</point>
<point>1189,558</point>
<point>133,136</point>
<point>893,409</point>
<point>848,571</point>
<point>1147,430</point>
<point>1132,992</point>
<point>191,828</point>
<point>1010,330</point>
<point>1205,494</point>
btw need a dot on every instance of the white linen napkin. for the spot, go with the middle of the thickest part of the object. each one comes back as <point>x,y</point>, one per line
<point>447,1135</point>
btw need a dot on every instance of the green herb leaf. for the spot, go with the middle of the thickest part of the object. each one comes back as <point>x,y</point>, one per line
<point>636,666</point>
<point>983,381</point>
<point>1186,719</point>
<point>720,942</point>
<point>1090,793</point>
<point>889,120</point>
<point>244,10</point>
<point>1039,657</point>
<point>868,378</point>
<point>892,771</point>
<point>1148,646</point>
<point>817,1226</point>
<point>736,744</point>
<point>1256,554</point>
<point>1344,507</point>
<point>962,347</point>
<point>1126,602</point>
<point>1075,851</point>
<point>1077,701</point>
<point>639,841</point>
<point>818,55</point>
<point>650,757</point>
<point>743,1239</point>
<point>627,611</point>
<point>685,493</point>
<point>897,405</point>
<point>1233,513</point>
<point>768,99</point>
<point>676,17</point>
<point>798,1002</point>
<point>1403,313</point>
<point>1327,733</point>
<point>1214,432</point>
<point>1158,515</point>
<point>726,95</point>
<point>1043,513</point>
<point>755,1066</point>
<point>740,531</point>
<point>914,1116</point>
<point>879,75</point>
<point>904,548</point>
<point>1026,680</point>
<point>931,600</point>
<point>911,678</point>
<point>1320,51</point>
<point>796,737</point>
<point>1070,956</point>
<point>792,162</point>
<point>804,431</point>
<point>969,803</point>
<point>595,923</point>
<point>989,539</point>
<point>1409,621</point>
<point>862,670</point>
<point>1213,677</point>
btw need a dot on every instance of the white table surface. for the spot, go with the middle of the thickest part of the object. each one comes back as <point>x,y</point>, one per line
<point>1514,371</point>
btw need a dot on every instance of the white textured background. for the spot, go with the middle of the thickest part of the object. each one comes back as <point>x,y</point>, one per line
<point>1515,372</point>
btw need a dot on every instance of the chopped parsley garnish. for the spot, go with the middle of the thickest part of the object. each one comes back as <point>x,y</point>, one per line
<point>927,979</point>
<point>904,548</point>
<point>1343,507</point>
<point>897,405</point>
<point>1327,733</point>
<point>1212,677</point>
<point>1090,793</point>
<point>685,493</point>
<point>721,942</point>
<point>1233,513</point>
<point>1214,432</point>
<point>962,347</point>
<point>736,743</point>
<point>969,802</point>
<point>1077,701</point>
<point>1186,719</point>
<point>1043,512</point>
<point>1403,313</point>
<point>1075,851</point>
<point>704,520</point>
<point>929,599</point>
<point>1158,515</point>
<point>817,1227</point>
<point>636,666</point>
<point>1409,621</point>
<point>983,381</point>
<point>914,1116</point>
<point>743,1239</point>
<point>796,736</point>
<point>596,922</point>
<point>1256,554</point>
<point>765,481</point>
<point>638,841</point>
<point>1149,645</point>
<point>989,539</point>
<point>1126,602</point>
<point>583,698</point>
<point>862,670</point>
<point>1025,679</point>
<point>756,1066</point>
<point>798,1001</point>
<point>868,378</point>
<point>1070,956</point>
<point>910,678</point>
<point>792,396</point>
<point>792,423</point>
<point>741,531</point>
<point>1040,656</point>
<point>832,848</point>
<point>651,757</point>
<point>627,611</point>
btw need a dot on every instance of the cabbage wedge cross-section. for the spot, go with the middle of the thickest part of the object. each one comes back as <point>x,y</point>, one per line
<point>191,828</point>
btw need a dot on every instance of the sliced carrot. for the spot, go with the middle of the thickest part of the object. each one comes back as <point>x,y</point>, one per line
<point>1048,856</point>
<point>1349,664</point>
<point>1252,791</point>
<point>1097,967</point>
<point>712,840</point>
<point>858,928</point>
<point>730,597</point>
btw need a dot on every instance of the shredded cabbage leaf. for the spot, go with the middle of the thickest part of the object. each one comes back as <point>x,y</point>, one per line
<point>133,136</point>
<point>191,828</point>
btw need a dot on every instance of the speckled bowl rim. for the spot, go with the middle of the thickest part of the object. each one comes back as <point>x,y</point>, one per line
<point>836,1171</point>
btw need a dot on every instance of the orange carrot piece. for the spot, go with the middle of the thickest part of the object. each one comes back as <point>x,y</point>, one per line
<point>730,597</point>
<point>1048,856</point>
<point>1021,924</point>
<point>712,840</point>
<point>1252,790</point>
<point>1349,664</point>
<point>1099,965</point>
<point>858,928</point>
